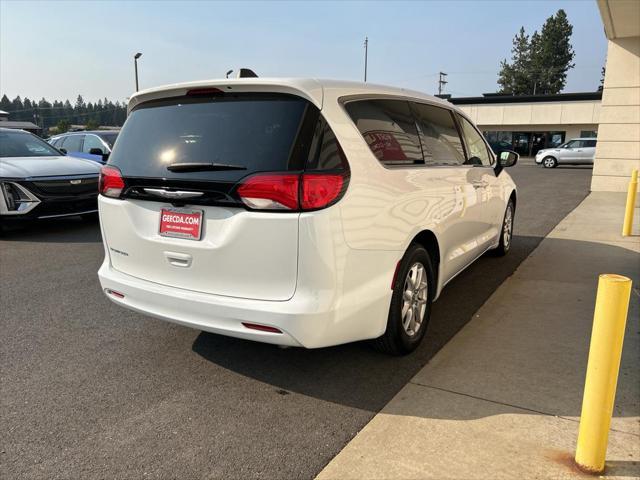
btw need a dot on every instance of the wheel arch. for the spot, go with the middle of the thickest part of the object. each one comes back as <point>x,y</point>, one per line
<point>513,196</point>
<point>429,240</point>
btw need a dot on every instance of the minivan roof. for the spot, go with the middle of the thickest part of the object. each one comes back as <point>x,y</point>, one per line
<point>312,89</point>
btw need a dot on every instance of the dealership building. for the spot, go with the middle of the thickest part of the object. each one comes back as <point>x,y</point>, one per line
<point>531,122</point>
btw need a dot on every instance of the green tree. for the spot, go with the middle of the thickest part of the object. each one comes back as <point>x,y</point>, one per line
<point>63,126</point>
<point>5,104</point>
<point>514,77</point>
<point>539,64</point>
<point>92,124</point>
<point>552,54</point>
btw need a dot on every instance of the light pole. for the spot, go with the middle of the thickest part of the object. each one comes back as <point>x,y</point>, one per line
<point>135,63</point>
<point>366,51</point>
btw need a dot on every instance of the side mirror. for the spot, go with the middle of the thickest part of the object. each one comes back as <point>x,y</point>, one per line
<point>507,158</point>
<point>63,150</point>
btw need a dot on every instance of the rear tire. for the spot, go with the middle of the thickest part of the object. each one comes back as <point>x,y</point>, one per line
<point>410,310</point>
<point>549,162</point>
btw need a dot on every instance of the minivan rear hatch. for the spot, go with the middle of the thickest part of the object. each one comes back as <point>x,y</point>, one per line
<point>182,158</point>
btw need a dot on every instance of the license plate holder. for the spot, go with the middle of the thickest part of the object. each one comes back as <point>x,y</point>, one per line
<point>181,223</point>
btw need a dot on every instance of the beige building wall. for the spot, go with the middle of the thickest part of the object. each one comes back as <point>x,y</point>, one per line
<point>524,116</point>
<point>618,149</point>
<point>572,131</point>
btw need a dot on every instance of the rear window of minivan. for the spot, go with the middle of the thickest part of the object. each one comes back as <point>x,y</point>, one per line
<point>254,131</point>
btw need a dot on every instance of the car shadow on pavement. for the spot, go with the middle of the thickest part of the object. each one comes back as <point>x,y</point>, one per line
<point>355,374</point>
<point>54,230</point>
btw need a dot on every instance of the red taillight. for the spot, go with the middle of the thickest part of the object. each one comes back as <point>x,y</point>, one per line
<point>320,190</point>
<point>111,182</point>
<point>262,328</point>
<point>308,191</point>
<point>270,192</point>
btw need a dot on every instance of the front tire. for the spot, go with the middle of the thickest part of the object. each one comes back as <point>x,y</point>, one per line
<point>410,310</point>
<point>549,162</point>
<point>506,233</point>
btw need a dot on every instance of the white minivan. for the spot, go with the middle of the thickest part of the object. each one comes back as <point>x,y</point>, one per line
<point>298,212</point>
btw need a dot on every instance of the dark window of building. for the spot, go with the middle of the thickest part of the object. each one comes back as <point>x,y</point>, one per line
<point>389,129</point>
<point>588,134</point>
<point>477,151</point>
<point>441,144</point>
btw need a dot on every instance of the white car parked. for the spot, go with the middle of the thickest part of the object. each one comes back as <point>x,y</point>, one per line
<point>577,151</point>
<point>298,212</point>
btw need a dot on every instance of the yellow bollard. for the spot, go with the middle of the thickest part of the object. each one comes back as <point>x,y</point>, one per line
<point>631,204</point>
<point>609,320</point>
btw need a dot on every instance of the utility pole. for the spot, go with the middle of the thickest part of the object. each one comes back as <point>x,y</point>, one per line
<point>441,82</point>
<point>366,52</point>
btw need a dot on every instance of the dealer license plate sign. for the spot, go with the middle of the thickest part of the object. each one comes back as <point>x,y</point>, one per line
<point>181,223</point>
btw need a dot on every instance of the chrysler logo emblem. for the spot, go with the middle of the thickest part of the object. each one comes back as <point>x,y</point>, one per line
<point>75,182</point>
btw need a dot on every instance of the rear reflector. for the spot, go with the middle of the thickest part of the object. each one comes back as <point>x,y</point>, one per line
<point>308,191</point>
<point>114,293</point>
<point>262,328</point>
<point>111,182</point>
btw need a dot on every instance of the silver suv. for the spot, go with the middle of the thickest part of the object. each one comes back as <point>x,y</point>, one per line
<point>577,151</point>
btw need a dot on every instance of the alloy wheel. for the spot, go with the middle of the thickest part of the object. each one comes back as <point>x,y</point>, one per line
<point>507,228</point>
<point>414,299</point>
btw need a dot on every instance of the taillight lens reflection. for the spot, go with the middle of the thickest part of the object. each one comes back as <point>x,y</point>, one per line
<point>111,182</point>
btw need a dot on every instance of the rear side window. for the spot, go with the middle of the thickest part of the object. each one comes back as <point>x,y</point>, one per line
<point>589,143</point>
<point>72,143</point>
<point>325,153</point>
<point>254,132</point>
<point>389,129</point>
<point>477,151</point>
<point>441,144</point>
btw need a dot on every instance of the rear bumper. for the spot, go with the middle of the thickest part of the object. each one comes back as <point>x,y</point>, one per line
<point>303,321</point>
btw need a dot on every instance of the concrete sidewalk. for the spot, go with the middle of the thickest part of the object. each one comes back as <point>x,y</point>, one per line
<point>503,398</point>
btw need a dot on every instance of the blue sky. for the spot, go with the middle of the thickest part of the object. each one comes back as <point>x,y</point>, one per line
<point>60,49</point>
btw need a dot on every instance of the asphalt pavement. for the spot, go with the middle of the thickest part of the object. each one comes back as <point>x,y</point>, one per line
<point>90,390</point>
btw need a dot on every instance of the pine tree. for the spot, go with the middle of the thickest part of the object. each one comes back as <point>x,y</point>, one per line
<point>539,64</point>
<point>513,77</point>
<point>552,54</point>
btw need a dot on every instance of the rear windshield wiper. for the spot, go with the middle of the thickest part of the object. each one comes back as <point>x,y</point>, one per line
<point>202,167</point>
